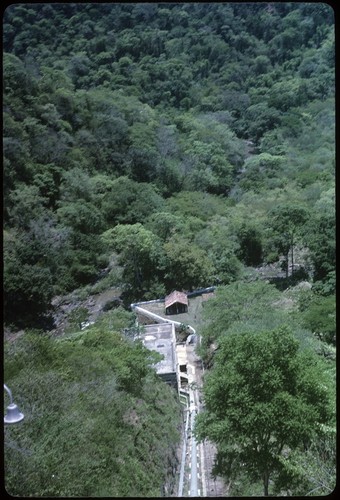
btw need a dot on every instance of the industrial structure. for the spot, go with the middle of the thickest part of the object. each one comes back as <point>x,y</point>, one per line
<point>161,338</point>
<point>182,369</point>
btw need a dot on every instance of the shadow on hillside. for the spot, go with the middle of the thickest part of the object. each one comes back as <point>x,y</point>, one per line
<point>282,283</point>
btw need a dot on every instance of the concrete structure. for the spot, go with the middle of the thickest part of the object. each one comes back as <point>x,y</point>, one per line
<point>176,303</point>
<point>182,360</point>
<point>162,339</point>
<point>181,357</point>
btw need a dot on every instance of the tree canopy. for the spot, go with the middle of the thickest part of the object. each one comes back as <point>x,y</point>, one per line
<point>113,113</point>
<point>94,409</point>
<point>263,399</point>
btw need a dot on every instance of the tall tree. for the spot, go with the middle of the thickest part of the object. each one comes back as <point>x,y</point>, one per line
<point>320,238</point>
<point>140,254</point>
<point>187,266</point>
<point>263,398</point>
<point>286,221</point>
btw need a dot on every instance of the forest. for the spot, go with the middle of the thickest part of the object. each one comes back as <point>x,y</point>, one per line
<point>150,147</point>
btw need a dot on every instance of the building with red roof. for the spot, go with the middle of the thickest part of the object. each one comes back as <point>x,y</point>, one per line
<point>176,303</point>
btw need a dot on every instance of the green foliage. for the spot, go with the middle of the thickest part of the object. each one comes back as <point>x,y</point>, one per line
<point>28,283</point>
<point>129,202</point>
<point>211,172</point>
<point>236,302</point>
<point>81,216</point>
<point>116,113</point>
<point>250,241</point>
<point>286,222</point>
<point>262,172</point>
<point>311,471</point>
<point>88,401</point>
<point>76,317</point>
<point>319,317</point>
<point>26,204</point>
<point>320,237</point>
<point>186,265</point>
<point>260,118</point>
<point>219,241</point>
<point>193,203</point>
<point>263,398</point>
<point>190,140</point>
<point>165,224</point>
<point>140,253</point>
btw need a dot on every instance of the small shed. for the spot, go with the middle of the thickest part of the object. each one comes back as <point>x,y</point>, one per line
<point>176,303</point>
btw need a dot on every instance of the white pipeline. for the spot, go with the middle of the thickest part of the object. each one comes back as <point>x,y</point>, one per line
<point>159,319</point>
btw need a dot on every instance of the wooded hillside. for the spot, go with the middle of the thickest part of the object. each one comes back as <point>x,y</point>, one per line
<point>194,120</point>
<point>158,146</point>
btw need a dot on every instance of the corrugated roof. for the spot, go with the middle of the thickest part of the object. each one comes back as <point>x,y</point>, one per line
<point>174,297</point>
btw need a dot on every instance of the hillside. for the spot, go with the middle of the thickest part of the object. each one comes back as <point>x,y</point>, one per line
<point>149,148</point>
<point>106,124</point>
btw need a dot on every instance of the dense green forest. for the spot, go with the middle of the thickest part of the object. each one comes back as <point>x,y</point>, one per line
<point>150,147</point>
<point>98,421</point>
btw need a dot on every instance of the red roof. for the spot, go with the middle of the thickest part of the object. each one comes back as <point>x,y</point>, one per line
<point>176,297</point>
